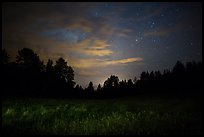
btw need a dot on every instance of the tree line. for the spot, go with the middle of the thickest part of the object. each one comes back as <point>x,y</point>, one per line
<point>28,76</point>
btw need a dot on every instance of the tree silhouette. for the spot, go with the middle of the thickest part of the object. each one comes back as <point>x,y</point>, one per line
<point>90,90</point>
<point>178,74</point>
<point>90,87</point>
<point>50,67</point>
<point>27,58</point>
<point>151,76</point>
<point>178,68</point>
<point>144,76</point>
<point>6,77</point>
<point>111,82</point>
<point>158,74</point>
<point>99,88</point>
<point>78,88</point>
<point>5,57</point>
<point>123,83</point>
<point>79,91</point>
<point>27,74</point>
<point>64,72</point>
<point>193,77</point>
<point>50,79</point>
<point>130,83</point>
<point>135,80</point>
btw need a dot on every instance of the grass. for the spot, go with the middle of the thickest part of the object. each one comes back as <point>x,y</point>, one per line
<point>153,115</point>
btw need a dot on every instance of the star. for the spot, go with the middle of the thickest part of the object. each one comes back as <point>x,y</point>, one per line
<point>152,24</point>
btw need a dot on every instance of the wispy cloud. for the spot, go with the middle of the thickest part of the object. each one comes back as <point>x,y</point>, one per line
<point>122,61</point>
<point>81,23</point>
<point>123,32</point>
<point>96,52</point>
<point>92,47</point>
<point>95,63</point>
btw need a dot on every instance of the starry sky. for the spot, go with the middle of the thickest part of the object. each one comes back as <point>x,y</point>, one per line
<point>100,39</point>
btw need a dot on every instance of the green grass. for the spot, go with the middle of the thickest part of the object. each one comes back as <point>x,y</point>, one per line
<point>164,115</point>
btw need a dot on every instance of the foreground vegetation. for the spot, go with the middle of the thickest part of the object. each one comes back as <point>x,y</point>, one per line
<point>141,115</point>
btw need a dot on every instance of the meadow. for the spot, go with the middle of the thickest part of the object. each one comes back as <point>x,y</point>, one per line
<point>139,115</point>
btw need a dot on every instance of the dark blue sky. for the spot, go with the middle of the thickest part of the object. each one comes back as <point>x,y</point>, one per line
<point>100,39</point>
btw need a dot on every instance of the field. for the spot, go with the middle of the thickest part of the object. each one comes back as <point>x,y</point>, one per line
<point>141,115</point>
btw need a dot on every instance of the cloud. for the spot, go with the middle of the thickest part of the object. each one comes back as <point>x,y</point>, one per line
<point>104,29</point>
<point>122,61</point>
<point>98,48</point>
<point>93,52</point>
<point>81,23</point>
<point>123,32</point>
<point>114,31</point>
<point>98,63</point>
<point>92,47</point>
<point>84,63</point>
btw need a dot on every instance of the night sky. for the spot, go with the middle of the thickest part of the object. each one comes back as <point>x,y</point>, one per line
<point>100,39</point>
